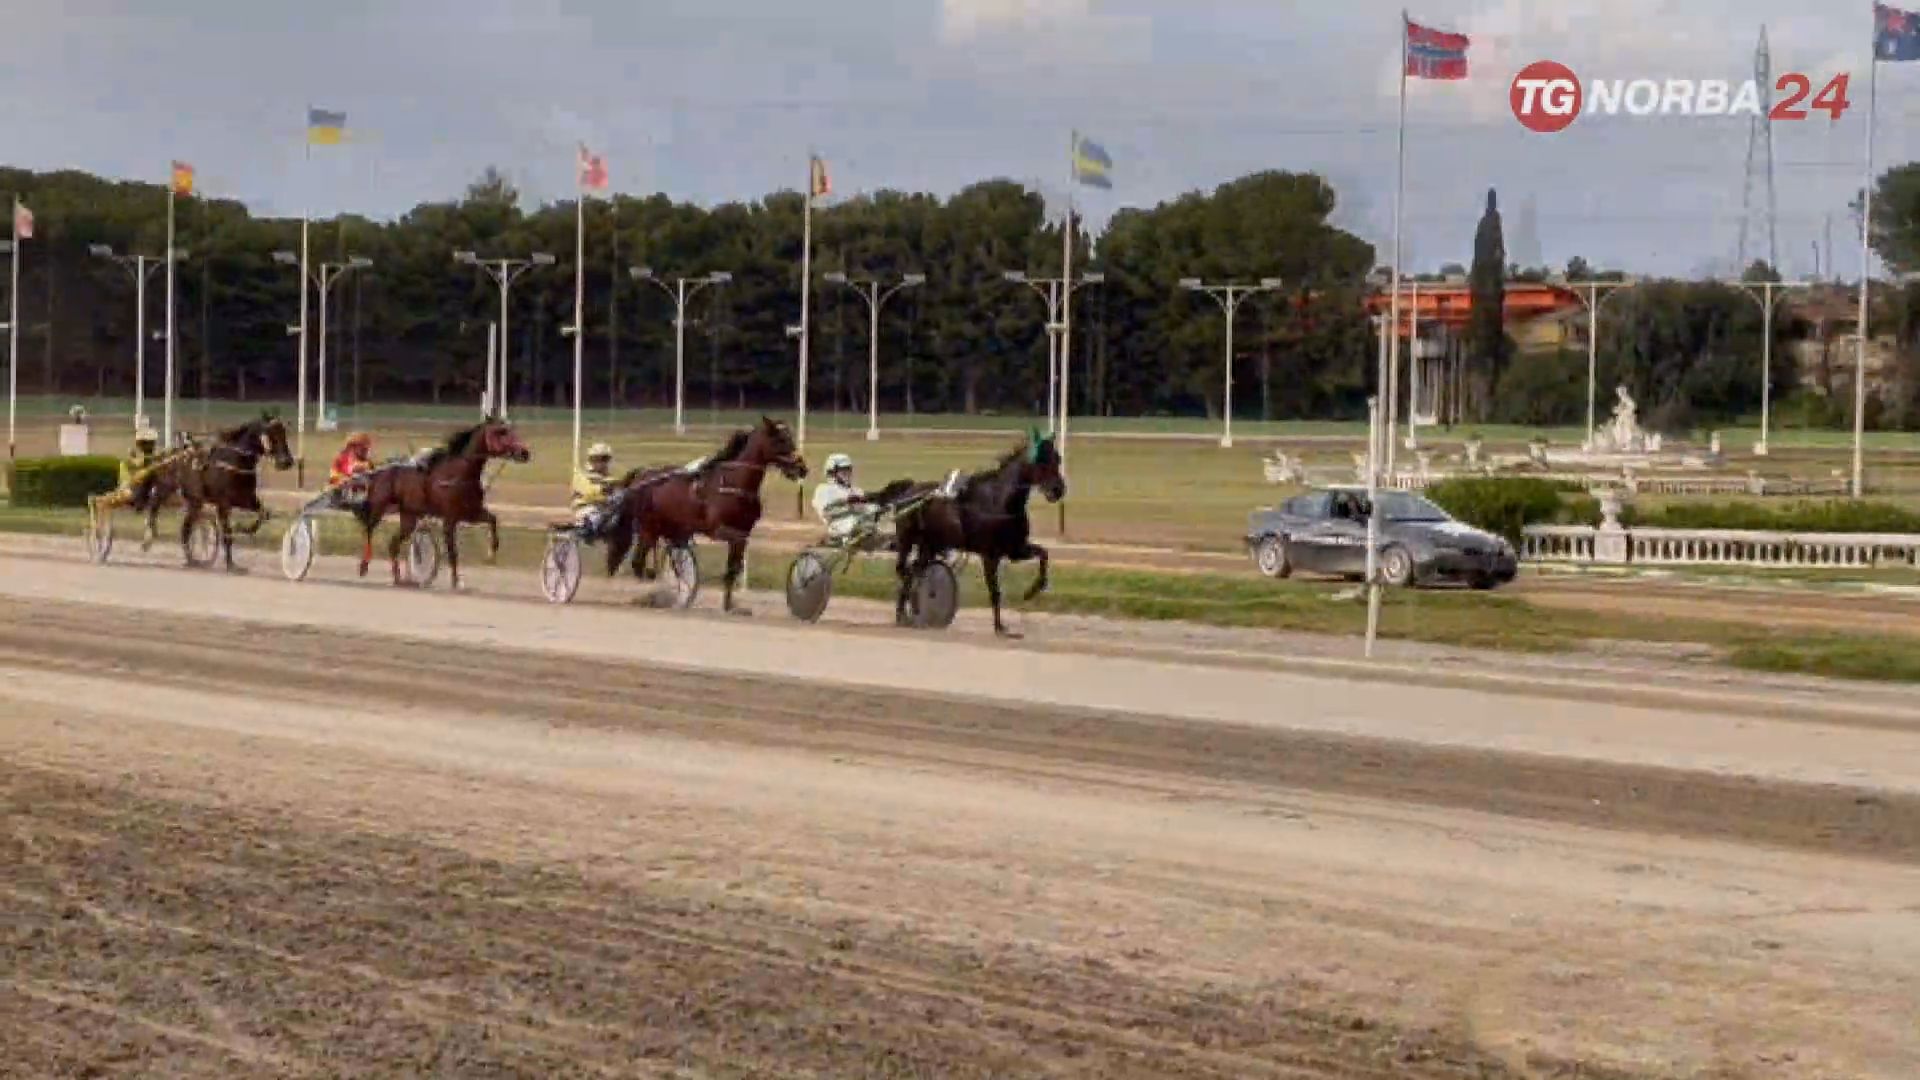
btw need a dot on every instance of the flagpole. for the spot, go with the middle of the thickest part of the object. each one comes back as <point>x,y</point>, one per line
<point>13,330</point>
<point>806,293</point>
<point>1066,318</point>
<point>1866,274</point>
<point>306,213</point>
<point>1382,413</point>
<point>168,409</point>
<point>579,311</point>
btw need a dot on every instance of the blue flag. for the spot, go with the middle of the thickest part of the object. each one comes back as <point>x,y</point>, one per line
<point>1091,165</point>
<point>1896,34</point>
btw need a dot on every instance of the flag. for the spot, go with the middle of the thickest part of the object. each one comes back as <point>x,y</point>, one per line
<point>1091,165</point>
<point>1435,54</point>
<point>1896,34</point>
<point>818,183</point>
<point>182,178</point>
<point>593,170</point>
<point>22,221</point>
<point>324,127</point>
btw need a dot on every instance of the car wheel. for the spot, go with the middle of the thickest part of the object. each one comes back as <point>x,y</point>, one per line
<point>1483,582</point>
<point>1270,555</point>
<point>1396,567</point>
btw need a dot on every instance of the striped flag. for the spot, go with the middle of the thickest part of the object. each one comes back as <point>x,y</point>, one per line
<point>593,170</point>
<point>325,127</point>
<point>22,221</point>
<point>182,178</point>
<point>1091,164</point>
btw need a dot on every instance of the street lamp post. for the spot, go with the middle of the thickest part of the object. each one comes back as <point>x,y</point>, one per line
<point>1228,296</point>
<point>1762,294</point>
<point>869,290</point>
<point>679,292</point>
<point>139,266</point>
<point>503,271</point>
<point>1055,292</point>
<point>329,273</point>
<point>1592,298</point>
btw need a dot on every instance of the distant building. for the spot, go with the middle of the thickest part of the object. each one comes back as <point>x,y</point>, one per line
<point>1539,315</point>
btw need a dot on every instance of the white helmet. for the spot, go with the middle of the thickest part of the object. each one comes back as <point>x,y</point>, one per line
<point>599,450</point>
<point>836,462</point>
<point>146,434</point>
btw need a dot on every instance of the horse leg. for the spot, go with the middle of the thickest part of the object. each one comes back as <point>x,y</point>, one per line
<point>493,540</point>
<point>1035,551</point>
<point>736,559</point>
<point>619,543</point>
<point>223,516</point>
<point>990,564</point>
<point>187,522</point>
<point>904,572</point>
<point>453,552</point>
<point>153,524</point>
<point>408,521</point>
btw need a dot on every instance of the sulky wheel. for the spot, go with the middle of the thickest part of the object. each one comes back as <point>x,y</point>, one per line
<point>935,598</point>
<point>423,557</point>
<point>202,543</point>
<point>809,586</point>
<point>560,569</point>
<point>99,534</point>
<point>297,548</point>
<point>681,581</point>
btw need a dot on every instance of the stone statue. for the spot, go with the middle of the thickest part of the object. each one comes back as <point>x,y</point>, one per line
<point>1622,434</point>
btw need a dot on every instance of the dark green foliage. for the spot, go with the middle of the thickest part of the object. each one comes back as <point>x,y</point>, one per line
<point>1834,515</point>
<point>1486,334</point>
<point>61,481</point>
<point>1504,506</point>
<point>1543,388</point>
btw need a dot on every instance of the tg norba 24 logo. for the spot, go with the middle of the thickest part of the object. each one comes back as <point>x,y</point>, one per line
<point>1548,97</point>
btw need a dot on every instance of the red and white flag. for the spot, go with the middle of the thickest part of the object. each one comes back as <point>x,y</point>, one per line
<point>22,221</point>
<point>593,170</point>
<point>819,184</point>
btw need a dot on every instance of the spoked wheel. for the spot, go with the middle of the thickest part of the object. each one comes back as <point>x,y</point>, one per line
<point>560,569</point>
<point>809,586</point>
<point>99,534</point>
<point>680,582</point>
<point>935,598</point>
<point>202,543</point>
<point>423,557</point>
<point>297,549</point>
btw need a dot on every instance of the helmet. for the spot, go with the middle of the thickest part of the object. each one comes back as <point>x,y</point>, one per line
<point>146,435</point>
<point>836,462</point>
<point>360,439</point>
<point>599,450</point>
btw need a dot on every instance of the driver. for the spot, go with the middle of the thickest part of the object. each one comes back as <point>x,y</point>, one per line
<point>593,488</point>
<point>354,461</point>
<point>136,479</point>
<point>841,506</point>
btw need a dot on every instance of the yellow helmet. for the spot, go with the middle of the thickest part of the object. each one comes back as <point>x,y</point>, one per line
<point>145,435</point>
<point>599,450</point>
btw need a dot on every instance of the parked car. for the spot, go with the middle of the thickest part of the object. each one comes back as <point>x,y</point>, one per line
<point>1325,532</point>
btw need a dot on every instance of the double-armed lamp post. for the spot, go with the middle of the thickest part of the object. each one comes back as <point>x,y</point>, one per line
<point>1228,296</point>
<point>503,271</point>
<point>679,292</point>
<point>871,291</point>
<point>139,266</point>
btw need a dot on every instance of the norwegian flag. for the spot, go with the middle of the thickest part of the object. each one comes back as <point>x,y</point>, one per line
<point>1435,54</point>
<point>22,221</point>
<point>593,170</point>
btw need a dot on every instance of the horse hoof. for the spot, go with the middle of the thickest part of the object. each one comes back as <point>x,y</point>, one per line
<point>741,612</point>
<point>238,571</point>
<point>1005,634</point>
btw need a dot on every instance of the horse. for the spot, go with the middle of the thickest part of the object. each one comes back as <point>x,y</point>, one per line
<point>720,499</point>
<point>446,485</point>
<point>226,475</point>
<point>987,517</point>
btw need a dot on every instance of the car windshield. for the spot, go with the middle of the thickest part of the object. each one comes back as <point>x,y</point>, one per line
<point>1402,506</point>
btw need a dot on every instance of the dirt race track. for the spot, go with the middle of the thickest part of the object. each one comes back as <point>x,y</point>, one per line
<point>256,828</point>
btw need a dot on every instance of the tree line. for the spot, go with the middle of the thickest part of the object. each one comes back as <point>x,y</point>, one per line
<point>412,327</point>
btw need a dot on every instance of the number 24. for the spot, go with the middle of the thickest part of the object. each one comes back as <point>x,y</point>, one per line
<point>1832,97</point>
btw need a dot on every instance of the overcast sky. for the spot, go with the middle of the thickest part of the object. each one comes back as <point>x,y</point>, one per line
<point>711,100</point>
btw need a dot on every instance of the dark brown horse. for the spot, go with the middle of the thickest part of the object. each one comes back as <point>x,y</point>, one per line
<point>721,499</point>
<point>987,517</point>
<point>446,486</point>
<point>227,475</point>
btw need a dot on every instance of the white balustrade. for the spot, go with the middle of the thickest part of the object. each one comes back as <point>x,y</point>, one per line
<point>1727,547</point>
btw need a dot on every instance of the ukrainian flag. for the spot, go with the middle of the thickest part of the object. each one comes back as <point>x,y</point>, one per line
<point>1091,165</point>
<point>325,128</point>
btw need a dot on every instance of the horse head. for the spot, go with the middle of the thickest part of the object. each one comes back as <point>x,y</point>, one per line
<point>1040,466</point>
<point>774,442</point>
<point>273,441</point>
<point>499,440</point>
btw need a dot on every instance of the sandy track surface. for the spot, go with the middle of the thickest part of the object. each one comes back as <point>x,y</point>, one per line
<point>489,849</point>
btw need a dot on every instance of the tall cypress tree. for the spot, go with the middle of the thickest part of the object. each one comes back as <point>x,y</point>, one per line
<point>1488,334</point>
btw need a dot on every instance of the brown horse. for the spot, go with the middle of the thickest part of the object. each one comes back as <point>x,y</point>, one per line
<point>226,475</point>
<point>988,518</point>
<point>720,499</point>
<point>446,486</point>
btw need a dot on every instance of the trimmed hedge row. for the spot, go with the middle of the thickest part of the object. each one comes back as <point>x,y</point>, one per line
<point>1833,516</point>
<point>1507,505</point>
<point>61,481</point>
<point>1503,506</point>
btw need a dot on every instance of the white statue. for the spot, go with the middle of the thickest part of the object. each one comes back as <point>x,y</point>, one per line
<point>1622,434</point>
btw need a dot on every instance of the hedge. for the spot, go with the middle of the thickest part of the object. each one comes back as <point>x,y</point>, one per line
<point>61,481</point>
<point>1499,505</point>
<point>1833,515</point>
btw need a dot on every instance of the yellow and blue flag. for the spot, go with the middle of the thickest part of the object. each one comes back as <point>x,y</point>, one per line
<point>1091,165</point>
<point>325,127</point>
<point>1896,34</point>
